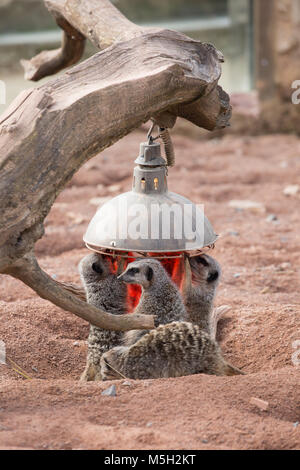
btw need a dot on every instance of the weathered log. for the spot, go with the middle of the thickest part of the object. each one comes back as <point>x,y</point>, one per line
<point>27,270</point>
<point>49,132</point>
<point>50,62</point>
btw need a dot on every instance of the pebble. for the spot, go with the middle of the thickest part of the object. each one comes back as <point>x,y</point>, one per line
<point>296,424</point>
<point>284,266</point>
<point>291,190</point>
<point>265,290</point>
<point>76,343</point>
<point>248,205</point>
<point>113,188</point>
<point>126,383</point>
<point>237,275</point>
<point>261,404</point>
<point>148,425</point>
<point>98,201</point>
<point>110,391</point>
<point>76,218</point>
<point>272,218</point>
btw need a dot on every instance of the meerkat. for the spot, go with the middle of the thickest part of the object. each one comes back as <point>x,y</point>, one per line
<point>202,276</point>
<point>172,350</point>
<point>160,296</point>
<point>103,290</point>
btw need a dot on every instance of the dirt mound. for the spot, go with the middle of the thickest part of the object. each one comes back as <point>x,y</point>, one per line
<point>260,255</point>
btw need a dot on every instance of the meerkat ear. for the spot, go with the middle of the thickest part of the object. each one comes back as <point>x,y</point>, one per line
<point>213,276</point>
<point>149,273</point>
<point>97,268</point>
<point>201,260</point>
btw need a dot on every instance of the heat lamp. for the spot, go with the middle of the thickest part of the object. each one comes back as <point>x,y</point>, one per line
<point>150,221</point>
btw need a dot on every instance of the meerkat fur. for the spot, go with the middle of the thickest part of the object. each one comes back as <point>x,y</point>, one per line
<point>103,290</point>
<point>160,296</point>
<point>201,279</point>
<point>172,350</point>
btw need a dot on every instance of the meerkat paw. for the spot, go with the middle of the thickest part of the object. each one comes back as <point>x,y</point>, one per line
<point>90,373</point>
<point>111,363</point>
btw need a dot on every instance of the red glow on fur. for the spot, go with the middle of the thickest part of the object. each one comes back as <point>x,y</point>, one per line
<point>173,266</point>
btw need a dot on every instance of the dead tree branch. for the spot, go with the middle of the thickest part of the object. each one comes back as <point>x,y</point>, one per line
<point>50,62</point>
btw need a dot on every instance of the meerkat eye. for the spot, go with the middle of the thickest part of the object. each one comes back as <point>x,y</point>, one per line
<point>97,268</point>
<point>133,271</point>
<point>213,276</point>
<point>149,273</point>
<point>202,261</point>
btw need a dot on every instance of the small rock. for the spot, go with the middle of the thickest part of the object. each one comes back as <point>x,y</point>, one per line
<point>126,383</point>
<point>76,343</point>
<point>54,276</point>
<point>205,441</point>
<point>237,275</point>
<point>296,424</point>
<point>272,218</point>
<point>261,404</point>
<point>98,201</point>
<point>148,425</point>
<point>110,391</point>
<point>291,190</point>
<point>248,205</point>
<point>234,234</point>
<point>265,290</point>
<point>114,188</point>
<point>284,266</point>
<point>60,205</point>
<point>34,369</point>
<point>76,218</point>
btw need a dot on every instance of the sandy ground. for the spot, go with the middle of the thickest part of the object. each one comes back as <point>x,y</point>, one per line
<point>261,263</point>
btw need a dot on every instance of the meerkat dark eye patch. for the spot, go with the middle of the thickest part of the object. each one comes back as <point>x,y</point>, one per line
<point>213,276</point>
<point>97,268</point>
<point>133,271</point>
<point>201,260</point>
<point>149,273</point>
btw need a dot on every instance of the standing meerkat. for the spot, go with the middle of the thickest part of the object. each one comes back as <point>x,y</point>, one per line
<point>172,350</point>
<point>103,290</point>
<point>160,296</point>
<point>202,276</point>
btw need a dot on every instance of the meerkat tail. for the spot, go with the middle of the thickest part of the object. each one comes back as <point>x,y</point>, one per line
<point>231,370</point>
<point>187,278</point>
<point>216,315</point>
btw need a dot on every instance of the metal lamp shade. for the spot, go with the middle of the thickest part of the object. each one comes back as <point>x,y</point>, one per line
<point>149,219</point>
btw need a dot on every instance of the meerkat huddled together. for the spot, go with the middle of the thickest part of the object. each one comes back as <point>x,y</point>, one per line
<point>184,342</point>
